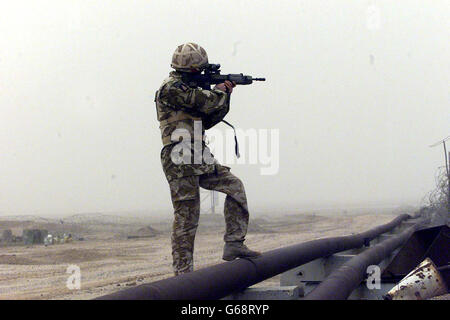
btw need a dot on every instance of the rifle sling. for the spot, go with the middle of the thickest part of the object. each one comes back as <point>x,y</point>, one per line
<point>236,144</point>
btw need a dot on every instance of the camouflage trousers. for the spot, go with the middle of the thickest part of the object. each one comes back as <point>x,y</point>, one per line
<point>186,203</point>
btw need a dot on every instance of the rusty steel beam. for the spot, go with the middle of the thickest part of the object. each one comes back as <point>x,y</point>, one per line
<point>220,280</point>
<point>340,284</point>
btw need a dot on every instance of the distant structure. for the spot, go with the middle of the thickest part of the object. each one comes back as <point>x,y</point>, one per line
<point>7,236</point>
<point>34,236</point>
<point>446,166</point>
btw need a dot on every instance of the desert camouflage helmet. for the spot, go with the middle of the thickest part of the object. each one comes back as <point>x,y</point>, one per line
<point>189,57</point>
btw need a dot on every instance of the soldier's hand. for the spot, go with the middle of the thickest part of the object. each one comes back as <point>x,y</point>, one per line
<point>226,86</point>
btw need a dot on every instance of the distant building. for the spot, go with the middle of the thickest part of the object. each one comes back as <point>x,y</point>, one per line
<point>34,236</point>
<point>7,236</point>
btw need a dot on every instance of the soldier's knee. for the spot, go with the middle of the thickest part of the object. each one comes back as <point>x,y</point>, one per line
<point>188,209</point>
<point>238,185</point>
<point>186,214</point>
<point>184,189</point>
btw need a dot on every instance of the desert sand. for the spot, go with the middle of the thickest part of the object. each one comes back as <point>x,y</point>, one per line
<point>110,261</point>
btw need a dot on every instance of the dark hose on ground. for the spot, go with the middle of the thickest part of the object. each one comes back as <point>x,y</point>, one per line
<point>220,280</point>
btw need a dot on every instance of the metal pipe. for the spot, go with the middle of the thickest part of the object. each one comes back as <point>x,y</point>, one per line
<point>220,280</point>
<point>340,284</point>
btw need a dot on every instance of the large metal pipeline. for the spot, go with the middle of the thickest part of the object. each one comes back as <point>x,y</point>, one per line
<point>220,280</point>
<point>340,284</point>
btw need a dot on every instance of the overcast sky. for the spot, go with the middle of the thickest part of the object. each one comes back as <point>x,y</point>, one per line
<point>357,89</point>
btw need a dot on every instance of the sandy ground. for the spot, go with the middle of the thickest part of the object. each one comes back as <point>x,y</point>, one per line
<point>109,261</point>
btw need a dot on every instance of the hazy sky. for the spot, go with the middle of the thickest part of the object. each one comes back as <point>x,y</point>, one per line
<point>357,89</point>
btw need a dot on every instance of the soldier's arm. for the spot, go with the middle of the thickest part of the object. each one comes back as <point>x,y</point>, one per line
<point>197,100</point>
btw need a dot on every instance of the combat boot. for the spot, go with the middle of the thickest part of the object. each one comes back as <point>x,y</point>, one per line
<point>233,250</point>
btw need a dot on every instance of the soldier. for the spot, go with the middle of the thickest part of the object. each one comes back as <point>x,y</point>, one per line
<point>183,109</point>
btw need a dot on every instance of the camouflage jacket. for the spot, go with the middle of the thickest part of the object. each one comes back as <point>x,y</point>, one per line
<point>178,106</point>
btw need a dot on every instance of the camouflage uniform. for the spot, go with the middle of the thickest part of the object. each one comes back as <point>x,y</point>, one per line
<point>179,106</point>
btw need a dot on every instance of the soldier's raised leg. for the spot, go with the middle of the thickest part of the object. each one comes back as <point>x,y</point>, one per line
<point>235,211</point>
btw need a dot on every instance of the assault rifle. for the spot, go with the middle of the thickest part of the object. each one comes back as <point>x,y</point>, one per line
<point>211,75</point>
